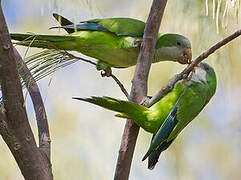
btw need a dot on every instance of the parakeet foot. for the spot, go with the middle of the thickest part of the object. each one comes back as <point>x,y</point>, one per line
<point>104,68</point>
<point>145,101</point>
<point>106,73</point>
<point>189,76</point>
<point>137,43</point>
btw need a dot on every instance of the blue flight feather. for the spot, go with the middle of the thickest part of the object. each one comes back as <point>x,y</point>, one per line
<point>83,26</point>
<point>154,156</point>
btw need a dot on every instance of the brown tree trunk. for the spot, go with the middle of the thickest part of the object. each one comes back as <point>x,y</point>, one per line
<point>14,125</point>
<point>139,88</point>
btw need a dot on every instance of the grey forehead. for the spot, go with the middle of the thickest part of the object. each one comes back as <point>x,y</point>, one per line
<point>186,42</point>
<point>204,65</point>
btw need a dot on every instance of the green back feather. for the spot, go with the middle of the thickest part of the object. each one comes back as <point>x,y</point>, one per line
<point>122,26</point>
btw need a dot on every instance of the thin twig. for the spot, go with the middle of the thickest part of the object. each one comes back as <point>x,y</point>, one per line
<point>120,85</point>
<point>170,85</point>
<point>41,117</point>
<point>71,56</point>
<point>118,82</point>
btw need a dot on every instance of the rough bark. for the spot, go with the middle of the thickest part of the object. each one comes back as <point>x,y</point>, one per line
<point>40,113</point>
<point>14,125</point>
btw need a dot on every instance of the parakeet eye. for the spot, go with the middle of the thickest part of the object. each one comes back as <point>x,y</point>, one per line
<point>206,68</point>
<point>178,43</point>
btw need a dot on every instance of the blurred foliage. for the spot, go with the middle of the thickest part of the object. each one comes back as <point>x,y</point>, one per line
<point>86,139</point>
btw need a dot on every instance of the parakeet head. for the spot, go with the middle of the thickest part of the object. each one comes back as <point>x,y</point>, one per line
<point>174,47</point>
<point>205,74</point>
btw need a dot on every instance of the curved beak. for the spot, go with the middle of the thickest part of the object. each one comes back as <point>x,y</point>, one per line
<point>186,58</point>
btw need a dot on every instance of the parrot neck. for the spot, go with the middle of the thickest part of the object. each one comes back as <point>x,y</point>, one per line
<point>166,54</point>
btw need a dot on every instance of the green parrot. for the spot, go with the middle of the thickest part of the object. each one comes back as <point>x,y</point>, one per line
<point>114,42</point>
<point>170,115</point>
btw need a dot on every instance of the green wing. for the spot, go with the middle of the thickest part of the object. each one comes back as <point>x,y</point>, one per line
<point>191,104</point>
<point>188,106</point>
<point>121,26</point>
<point>163,133</point>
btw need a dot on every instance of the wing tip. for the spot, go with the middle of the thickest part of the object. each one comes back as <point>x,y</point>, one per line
<point>55,15</point>
<point>78,98</point>
<point>153,160</point>
<point>87,99</point>
<point>146,156</point>
<point>151,167</point>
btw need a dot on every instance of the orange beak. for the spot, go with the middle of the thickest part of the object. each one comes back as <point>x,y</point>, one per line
<point>186,58</point>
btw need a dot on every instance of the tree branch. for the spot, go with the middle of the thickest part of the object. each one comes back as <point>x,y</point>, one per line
<point>170,85</point>
<point>15,128</point>
<point>40,113</point>
<point>121,86</point>
<point>139,87</point>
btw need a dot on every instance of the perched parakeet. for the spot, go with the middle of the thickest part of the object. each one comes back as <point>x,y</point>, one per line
<point>170,115</point>
<point>114,42</point>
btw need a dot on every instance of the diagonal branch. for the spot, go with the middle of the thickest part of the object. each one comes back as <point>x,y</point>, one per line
<point>121,86</point>
<point>41,117</point>
<point>139,87</point>
<point>170,85</point>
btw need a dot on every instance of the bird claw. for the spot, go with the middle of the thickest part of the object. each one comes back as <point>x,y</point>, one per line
<point>145,100</point>
<point>105,73</point>
<point>104,68</point>
<point>189,76</point>
<point>137,43</point>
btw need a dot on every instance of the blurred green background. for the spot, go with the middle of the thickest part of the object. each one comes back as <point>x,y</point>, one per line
<point>86,138</point>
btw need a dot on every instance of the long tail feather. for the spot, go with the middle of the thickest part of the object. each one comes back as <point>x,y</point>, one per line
<point>126,108</point>
<point>51,38</point>
<point>41,41</point>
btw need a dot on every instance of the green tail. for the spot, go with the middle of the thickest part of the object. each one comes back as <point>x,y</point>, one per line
<point>126,109</point>
<point>43,41</point>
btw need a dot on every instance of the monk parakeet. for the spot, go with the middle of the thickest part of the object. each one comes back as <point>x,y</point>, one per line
<point>170,115</point>
<point>114,42</point>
